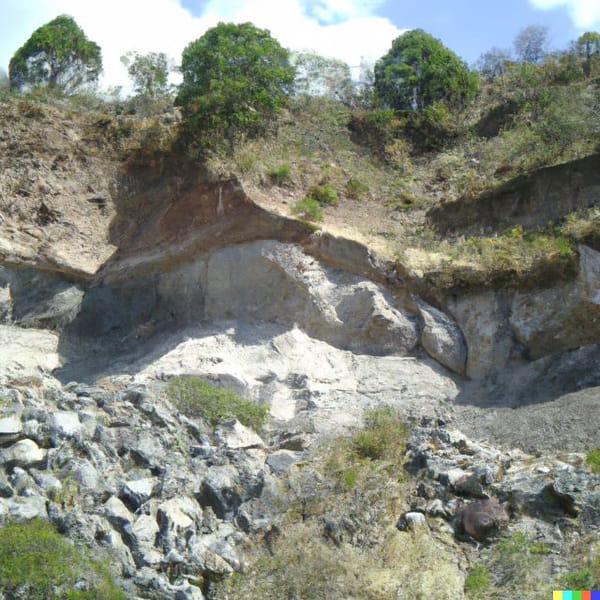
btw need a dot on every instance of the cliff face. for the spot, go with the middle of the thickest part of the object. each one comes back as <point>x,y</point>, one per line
<point>123,273</point>
<point>110,250</point>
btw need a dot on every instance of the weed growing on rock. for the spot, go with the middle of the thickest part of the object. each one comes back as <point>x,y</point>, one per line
<point>592,460</point>
<point>41,564</point>
<point>196,397</point>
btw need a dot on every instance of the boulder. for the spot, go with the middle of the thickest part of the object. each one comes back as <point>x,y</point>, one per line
<point>10,428</point>
<point>25,453</point>
<point>483,518</point>
<point>235,436</point>
<point>443,339</point>
<point>137,492</point>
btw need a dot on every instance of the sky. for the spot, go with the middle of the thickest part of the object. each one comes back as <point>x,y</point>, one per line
<point>351,30</point>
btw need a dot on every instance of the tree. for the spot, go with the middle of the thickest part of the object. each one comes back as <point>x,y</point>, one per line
<point>318,75</point>
<point>419,70</point>
<point>58,55</point>
<point>148,72</point>
<point>236,78</point>
<point>588,46</point>
<point>494,63</point>
<point>530,43</point>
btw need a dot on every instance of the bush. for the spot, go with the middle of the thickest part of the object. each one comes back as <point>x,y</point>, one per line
<point>196,397</point>
<point>41,564</point>
<point>592,460</point>
<point>324,194</point>
<point>356,189</point>
<point>308,209</point>
<point>281,175</point>
<point>383,437</point>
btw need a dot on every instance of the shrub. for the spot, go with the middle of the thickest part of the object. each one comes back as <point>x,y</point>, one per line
<point>593,460</point>
<point>281,175</point>
<point>308,209</point>
<point>583,579</point>
<point>383,437</point>
<point>478,581</point>
<point>42,564</point>
<point>356,189</point>
<point>324,194</point>
<point>196,397</point>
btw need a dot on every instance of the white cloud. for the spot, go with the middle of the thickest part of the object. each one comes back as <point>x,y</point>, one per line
<point>585,14</point>
<point>345,29</point>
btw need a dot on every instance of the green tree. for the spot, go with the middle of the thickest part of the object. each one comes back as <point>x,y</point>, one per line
<point>58,55</point>
<point>588,46</point>
<point>236,78</point>
<point>419,70</point>
<point>318,75</point>
<point>148,72</point>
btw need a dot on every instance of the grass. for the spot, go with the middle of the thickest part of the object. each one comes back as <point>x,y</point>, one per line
<point>41,564</point>
<point>592,460</point>
<point>478,581</point>
<point>308,209</point>
<point>196,397</point>
<point>383,436</point>
<point>337,537</point>
<point>281,175</point>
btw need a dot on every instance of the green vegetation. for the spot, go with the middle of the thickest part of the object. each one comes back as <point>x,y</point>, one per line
<point>57,55</point>
<point>281,175</point>
<point>236,78</point>
<point>419,70</point>
<point>338,539</point>
<point>383,436</point>
<point>196,397</point>
<point>38,563</point>
<point>582,579</point>
<point>308,209</point>
<point>356,189</point>
<point>324,194</point>
<point>478,581</point>
<point>148,72</point>
<point>592,460</point>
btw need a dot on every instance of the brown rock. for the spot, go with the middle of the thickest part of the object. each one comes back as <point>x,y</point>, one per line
<point>482,518</point>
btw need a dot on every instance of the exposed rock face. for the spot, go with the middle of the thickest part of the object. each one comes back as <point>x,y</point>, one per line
<point>266,281</point>
<point>530,200</point>
<point>509,328</point>
<point>563,317</point>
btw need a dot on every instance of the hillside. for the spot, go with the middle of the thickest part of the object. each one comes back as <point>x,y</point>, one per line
<point>421,365</point>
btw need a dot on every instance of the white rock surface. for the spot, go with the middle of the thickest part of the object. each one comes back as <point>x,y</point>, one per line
<point>24,453</point>
<point>27,352</point>
<point>298,375</point>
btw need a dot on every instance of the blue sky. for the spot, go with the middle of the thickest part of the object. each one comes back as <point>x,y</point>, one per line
<point>346,29</point>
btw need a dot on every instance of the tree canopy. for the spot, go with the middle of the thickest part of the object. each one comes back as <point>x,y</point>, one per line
<point>530,43</point>
<point>588,46</point>
<point>148,72</point>
<point>419,70</point>
<point>318,75</point>
<point>58,55</point>
<point>235,80</point>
